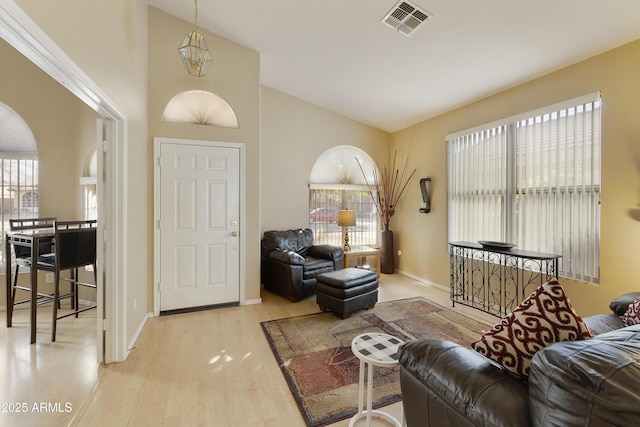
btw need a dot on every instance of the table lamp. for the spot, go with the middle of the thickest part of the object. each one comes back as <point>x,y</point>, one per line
<point>346,218</point>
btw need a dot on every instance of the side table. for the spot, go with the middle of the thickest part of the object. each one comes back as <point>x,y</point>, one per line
<point>374,349</point>
<point>360,253</point>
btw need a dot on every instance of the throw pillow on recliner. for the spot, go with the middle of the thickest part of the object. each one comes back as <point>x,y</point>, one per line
<point>543,318</point>
<point>632,315</point>
<point>620,305</point>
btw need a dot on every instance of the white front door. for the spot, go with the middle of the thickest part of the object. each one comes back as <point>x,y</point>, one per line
<point>199,225</point>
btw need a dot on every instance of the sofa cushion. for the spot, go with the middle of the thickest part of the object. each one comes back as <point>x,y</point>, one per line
<point>348,277</point>
<point>287,257</point>
<point>314,266</point>
<point>632,315</point>
<point>298,240</point>
<point>463,388</point>
<point>545,317</point>
<point>620,305</point>
<point>587,383</point>
<point>326,251</point>
<point>601,323</point>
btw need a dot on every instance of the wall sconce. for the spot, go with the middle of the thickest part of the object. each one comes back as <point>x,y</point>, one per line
<point>426,200</point>
<point>345,220</point>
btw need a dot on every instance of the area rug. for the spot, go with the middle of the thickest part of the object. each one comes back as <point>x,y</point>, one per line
<point>314,352</point>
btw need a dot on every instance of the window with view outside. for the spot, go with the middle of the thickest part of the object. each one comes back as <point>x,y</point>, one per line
<point>90,187</point>
<point>323,215</point>
<point>532,180</point>
<point>336,183</point>
<point>19,168</point>
<point>19,189</point>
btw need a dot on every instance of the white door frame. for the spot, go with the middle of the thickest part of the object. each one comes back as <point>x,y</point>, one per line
<point>156,210</point>
<point>17,29</point>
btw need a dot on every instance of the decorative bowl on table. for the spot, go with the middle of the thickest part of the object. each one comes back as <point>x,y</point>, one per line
<point>488,244</point>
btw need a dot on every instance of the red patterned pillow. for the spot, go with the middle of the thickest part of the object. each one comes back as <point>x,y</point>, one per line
<point>545,317</point>
<point>632,315</point>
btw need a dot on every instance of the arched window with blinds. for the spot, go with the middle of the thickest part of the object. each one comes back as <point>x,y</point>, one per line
<point>19,190</point>
<point>336,183</point>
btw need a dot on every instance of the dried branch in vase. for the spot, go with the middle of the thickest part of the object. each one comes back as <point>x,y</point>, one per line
<point>388,187</point>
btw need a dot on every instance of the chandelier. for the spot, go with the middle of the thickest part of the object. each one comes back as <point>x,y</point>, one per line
<point>194,52</point>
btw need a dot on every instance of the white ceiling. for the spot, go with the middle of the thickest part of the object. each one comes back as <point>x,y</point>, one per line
<point>338,55</point>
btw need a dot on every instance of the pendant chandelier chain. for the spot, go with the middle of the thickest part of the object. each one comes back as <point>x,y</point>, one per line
<point>194,52</point>
<point>196,14</point>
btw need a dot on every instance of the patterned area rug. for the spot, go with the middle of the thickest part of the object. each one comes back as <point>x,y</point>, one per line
<point>314,352</point>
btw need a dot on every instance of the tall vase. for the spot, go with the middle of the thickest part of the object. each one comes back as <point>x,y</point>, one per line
<point>386,251</point>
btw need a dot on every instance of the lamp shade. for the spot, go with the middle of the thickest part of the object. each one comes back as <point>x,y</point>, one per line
<point>346,218</point>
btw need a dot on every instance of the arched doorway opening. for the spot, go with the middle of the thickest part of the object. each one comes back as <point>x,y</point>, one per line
<point>17,29</point>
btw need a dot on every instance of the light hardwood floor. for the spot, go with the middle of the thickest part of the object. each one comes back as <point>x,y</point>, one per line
<point>209,368</point>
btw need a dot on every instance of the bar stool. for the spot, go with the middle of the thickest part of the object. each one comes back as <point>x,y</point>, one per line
<point>23,253</point>
<point>75,246</point>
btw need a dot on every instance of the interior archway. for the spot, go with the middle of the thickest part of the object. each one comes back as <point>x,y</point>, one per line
<point>19,31</point>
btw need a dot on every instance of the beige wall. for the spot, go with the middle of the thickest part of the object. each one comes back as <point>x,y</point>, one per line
<point>283,135</point>
<point>60,123</point>
<point>51,113</point>
<point>108,42</point>
<point>423,237</point>
<point>294,134</point>
<point>235,76</point>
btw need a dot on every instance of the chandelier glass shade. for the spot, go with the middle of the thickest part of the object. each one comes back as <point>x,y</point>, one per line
<point>194,52</point>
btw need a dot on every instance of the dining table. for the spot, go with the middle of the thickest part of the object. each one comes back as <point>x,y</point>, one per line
<point>33,238</point>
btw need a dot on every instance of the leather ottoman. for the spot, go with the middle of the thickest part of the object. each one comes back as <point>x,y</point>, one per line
<point>347,290</point>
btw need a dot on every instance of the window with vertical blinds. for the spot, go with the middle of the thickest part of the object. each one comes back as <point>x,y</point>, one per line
<point>20,191</point>
<point>324,204</point>
<point>532,180</point>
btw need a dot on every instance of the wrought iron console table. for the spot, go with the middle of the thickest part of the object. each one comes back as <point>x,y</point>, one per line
<point>496,280</point>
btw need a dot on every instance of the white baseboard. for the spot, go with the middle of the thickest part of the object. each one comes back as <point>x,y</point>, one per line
<point>424,281</point>
<point>132,343</point>
<point>251,301</point>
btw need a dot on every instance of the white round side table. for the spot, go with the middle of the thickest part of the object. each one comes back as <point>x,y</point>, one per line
<point>373,349</point>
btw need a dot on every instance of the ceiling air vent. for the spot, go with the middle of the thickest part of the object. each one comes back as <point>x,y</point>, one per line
<point>405,17</point>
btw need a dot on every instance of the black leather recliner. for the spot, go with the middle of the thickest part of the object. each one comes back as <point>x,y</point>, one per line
<point>290,262</point>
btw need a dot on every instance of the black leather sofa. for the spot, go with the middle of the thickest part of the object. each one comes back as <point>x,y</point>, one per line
<point>290,262</point>
<point>593,382</point>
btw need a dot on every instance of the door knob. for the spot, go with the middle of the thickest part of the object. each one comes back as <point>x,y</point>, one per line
<point>234,233</point>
